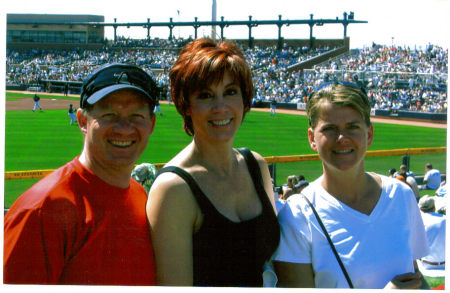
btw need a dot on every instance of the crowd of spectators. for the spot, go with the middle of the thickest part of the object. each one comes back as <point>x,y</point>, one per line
<point>432,60</point>
<point>174,43</point>
<point>32,66</point>
<point>400,78</point>
<point>396,78</point>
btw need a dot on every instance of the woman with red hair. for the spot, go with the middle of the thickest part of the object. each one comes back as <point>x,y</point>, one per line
<point>211,210</point>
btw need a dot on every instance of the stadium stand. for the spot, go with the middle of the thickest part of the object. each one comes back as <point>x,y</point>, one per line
<point>396,78</point>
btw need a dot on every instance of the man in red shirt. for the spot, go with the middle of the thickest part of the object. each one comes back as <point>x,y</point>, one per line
<point>85,223</point>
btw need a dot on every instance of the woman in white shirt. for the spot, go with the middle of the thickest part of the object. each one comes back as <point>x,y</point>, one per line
<point>372,220</point>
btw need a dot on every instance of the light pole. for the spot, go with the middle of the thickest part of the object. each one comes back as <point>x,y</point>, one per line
<point>213,18</point>
<point>178,12</point>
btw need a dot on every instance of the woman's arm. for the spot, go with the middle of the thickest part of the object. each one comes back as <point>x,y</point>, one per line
<point>172,213</point>
<point>409,281</point>
<point>294,275</point>
<point>424,284</point>
<point>267,181</point>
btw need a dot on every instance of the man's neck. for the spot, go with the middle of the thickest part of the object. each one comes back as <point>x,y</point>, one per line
<point>114,177</point>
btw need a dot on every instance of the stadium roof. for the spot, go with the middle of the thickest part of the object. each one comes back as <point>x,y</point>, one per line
<point>52,18</point>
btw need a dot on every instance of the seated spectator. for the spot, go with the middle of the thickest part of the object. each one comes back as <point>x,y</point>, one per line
<point>391,172</point>
<point>401,178</point>
<point>144,174</point>
<point>403,168</point>
<point>442,190</point>
<point>408,178</point>
<point>404,171</point>
<point>411,182</point>
<point>432,179</point>
<point>435,230</point>
<point>440,199</point>
<point>290,189</point>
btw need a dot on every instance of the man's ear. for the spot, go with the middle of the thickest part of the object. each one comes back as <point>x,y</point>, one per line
<point>311,139</point>
<point>153,122</point>
<point>82,121</point>
<point>370,135</point>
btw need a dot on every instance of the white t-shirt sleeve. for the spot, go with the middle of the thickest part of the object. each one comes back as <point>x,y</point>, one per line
<point>295,240</point>
<point>419,242</point>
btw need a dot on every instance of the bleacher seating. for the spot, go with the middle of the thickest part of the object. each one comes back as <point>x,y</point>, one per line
<point>396,78</point>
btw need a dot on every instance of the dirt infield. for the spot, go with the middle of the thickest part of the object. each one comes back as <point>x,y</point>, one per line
<point>46,104</point>
<point>373,119</point>
<point>28,103</point>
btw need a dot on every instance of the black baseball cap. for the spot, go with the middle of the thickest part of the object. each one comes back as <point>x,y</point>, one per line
<point>113,77</point>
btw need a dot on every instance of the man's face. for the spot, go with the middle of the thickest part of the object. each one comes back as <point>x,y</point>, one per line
<point>116,131</point>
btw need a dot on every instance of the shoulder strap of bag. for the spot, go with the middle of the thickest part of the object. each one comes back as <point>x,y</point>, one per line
<point>347,277</point>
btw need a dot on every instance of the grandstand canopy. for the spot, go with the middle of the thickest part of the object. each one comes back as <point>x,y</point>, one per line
<point>54,30</point>
<point>41,29</point>
<point>52,18</point>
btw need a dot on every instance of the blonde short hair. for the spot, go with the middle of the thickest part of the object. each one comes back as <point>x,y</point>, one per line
<point>338,93</point>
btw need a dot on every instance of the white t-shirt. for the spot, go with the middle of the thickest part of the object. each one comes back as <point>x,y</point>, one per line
<point>374,248</point>
<point>433,178</point>
<point>435,230</point>
<point>278,204</point>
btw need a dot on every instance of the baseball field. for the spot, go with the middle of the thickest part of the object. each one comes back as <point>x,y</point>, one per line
<point>45,140</point>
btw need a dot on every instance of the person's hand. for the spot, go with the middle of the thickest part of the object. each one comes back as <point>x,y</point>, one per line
<point>406,281</point>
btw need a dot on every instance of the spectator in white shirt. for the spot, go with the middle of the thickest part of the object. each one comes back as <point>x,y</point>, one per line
<point>435,230</point>
<point>432,179</point>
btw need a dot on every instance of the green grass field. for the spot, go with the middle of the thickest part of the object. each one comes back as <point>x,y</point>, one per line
<point>10,96</point>
<point>45,140</point>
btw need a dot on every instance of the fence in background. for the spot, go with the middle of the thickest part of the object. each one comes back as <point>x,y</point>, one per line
<point>271,160</point>
<point>13,175</point>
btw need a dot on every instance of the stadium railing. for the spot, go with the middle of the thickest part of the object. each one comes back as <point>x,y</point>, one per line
<point>271,160</point>
<point>12,175</point>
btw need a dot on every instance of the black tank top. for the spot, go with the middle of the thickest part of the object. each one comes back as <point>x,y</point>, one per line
<point>226,253</point>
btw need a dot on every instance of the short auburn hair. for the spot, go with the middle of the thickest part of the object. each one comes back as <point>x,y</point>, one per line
<point>204,62</point>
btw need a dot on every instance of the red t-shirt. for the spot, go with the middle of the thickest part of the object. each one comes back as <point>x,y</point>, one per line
<point>73,228</point>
